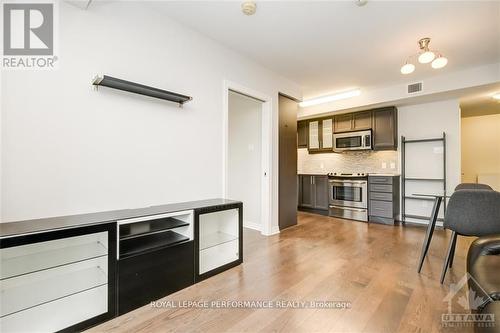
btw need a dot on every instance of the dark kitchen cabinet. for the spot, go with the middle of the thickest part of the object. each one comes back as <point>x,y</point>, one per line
<point>385,129</point>
<point>306,191</point>
<point>356,121</point>
<point>317,134</point>
<point>383,199</point>
<point>362,120</point>
<point>343,123</point>
<point>321,192</point>
<point>302,134</point>
<point>313,191</point>
<point>320,135</point>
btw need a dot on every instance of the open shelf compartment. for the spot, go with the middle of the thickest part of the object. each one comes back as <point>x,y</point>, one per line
<point>218,239</point>
<point>28,291</point>
<point>132,230</point>
<point>27,259</point>
<point>148,242</point>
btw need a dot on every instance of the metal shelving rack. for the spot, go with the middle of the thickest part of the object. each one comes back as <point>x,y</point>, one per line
<point>404,179</point>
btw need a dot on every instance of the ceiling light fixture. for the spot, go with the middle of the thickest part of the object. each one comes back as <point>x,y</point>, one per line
<point>439,62</point>
<point>249,7</point>
<point>496,96</point>
<point>425,56</point>
<point>360,3</point>
<point>330,98</point>
<point>407,68</point>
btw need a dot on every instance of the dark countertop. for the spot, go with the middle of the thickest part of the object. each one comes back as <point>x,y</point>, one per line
<point>71,221</point>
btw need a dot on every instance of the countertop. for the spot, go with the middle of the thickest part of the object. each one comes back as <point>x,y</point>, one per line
<point>62,222</point>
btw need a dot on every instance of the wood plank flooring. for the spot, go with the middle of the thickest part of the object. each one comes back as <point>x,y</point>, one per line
<point>322,258</point>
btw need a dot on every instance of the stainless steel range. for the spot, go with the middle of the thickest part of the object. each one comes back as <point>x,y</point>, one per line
<point>348,195</point>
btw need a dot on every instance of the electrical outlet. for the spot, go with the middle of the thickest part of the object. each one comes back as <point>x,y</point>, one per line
<point>393,165</point>
<point>384,165</point>
<point>322,166</point>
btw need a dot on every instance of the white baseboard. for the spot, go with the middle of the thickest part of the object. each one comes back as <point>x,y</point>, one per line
<point>275,230</point>
<point>251,225</point>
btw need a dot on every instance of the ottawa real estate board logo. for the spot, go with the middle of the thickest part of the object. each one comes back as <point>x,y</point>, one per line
<point>29,39</point>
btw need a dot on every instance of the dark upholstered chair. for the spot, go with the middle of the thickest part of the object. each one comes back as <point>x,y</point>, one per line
<point>472,186</point>
<point>483,264</point>
<point>471,212</point>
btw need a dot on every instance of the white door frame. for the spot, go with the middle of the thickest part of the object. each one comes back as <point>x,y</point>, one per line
<point>267,173</point>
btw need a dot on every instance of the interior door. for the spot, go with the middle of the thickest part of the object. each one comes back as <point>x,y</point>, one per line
<point>287,211</point>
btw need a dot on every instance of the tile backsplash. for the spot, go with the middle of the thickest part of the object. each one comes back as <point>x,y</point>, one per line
<point>353,161</point>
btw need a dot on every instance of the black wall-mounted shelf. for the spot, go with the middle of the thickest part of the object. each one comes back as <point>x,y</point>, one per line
<point>136,88</point>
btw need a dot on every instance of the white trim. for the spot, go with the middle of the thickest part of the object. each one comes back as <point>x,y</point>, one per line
<point>251,225</point>
<point>269,176</point>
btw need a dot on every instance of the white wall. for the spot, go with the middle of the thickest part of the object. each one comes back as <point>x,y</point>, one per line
<point>67,149</point>
<point>481,149</point>
<point>424,160</point>
<point>244,156</point>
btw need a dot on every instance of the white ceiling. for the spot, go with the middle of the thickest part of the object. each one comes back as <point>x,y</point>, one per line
<point>328,46</point>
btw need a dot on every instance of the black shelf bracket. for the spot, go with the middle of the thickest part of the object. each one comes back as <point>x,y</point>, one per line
<point>136,88</point>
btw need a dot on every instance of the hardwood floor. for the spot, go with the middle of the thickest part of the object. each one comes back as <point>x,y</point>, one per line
<point>374,267</point>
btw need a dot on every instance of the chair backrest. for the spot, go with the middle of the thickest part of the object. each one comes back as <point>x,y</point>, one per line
<point>474,212</point>
<point>472,186</point>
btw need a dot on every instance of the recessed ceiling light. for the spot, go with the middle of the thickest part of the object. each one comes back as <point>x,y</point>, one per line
<point>360,3</point>
<point>496,96</point>
<point>249,7</point>
<point>331,98</point>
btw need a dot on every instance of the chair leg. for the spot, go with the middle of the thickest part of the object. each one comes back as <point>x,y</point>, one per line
<point>453,240</point>
<point>453,247</point>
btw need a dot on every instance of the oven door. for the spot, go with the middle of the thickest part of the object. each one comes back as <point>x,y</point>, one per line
<point>349,193</point>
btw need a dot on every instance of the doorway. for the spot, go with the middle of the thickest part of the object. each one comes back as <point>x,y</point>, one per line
<point>248,174</point>
<point>245,156</point>
<point>480,137</point>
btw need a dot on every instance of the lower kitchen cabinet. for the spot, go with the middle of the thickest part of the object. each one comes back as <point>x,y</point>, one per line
<point>58,280</point>
<point>383,199</point>
<point>219,239</point>
<point>313,192</point>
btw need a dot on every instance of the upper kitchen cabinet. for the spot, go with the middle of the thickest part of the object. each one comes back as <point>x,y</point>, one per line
<point>385,129</point>
<point>357,121</point>
<point>343,123</point>
<point>317,134</point>
<point>320,138</point>
<point>302,134</point>
<point>362,120</point>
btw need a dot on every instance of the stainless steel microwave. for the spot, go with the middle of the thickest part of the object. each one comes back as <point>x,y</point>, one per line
<point>359,140</point>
